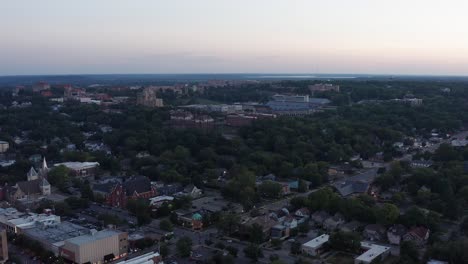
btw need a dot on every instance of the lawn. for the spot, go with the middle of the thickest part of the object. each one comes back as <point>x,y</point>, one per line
<point>341,258</point>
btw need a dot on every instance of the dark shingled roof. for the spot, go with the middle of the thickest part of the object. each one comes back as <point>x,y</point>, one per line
<point>356,184</point>
<point>30,187</point>
<point>139,184</point>
<point>105,187</point>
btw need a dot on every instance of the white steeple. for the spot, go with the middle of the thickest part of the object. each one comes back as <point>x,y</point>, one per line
<point>44,164</point>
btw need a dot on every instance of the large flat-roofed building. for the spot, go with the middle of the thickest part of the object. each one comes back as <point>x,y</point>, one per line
<point>53,237</point>
<point>16,222</point>
<point>96,247</point>
<point>81,169</point>
<point>295,104</point>
<point>314,246</point>
<point>3,246</point>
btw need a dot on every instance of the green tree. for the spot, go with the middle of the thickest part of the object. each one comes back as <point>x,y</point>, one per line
<point>59,177</point>
<point>409,252</point>
<point>253,251</point>
<point>256,234</point>
<point>184,246</point>
<point>302,188</point>
<point>164,250</point>
<point>296,248</point>
<point>228,223</point>
<point>387,214</point>
<point>345,241</point>
<point>166,225</point>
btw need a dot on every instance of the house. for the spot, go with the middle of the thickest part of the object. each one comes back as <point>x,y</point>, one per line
<point>359,183</point>
<point>342,169</point>
<point>117,193</point>
<point>303,213</point>
<point>192,191</point>
<point>315,246</point>
<point>374,232</point>
<point>352,226</point>
<point>290,222</point>
<point>279,232</point>
<point>279,215</point>
<point>264,222</point>
<point>319,217</point>
<point>395,234</point>
<point>419,235</point>
<point>334,222</point>
<point>268,177</point>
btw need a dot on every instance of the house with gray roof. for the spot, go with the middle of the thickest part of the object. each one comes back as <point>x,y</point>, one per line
<point>356,184</point>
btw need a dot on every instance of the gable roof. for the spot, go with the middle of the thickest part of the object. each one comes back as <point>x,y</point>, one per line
<point>30,187</point>
<point>138,184</point>
<point>356,184</point>
<point>419,232</point>
<point>32,172</point>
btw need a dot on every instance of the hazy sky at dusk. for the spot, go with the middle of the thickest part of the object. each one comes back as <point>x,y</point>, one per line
<point>234,36</point>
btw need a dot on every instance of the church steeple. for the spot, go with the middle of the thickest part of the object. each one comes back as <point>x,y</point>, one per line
<point>44,169</point>
<point>44,164</point>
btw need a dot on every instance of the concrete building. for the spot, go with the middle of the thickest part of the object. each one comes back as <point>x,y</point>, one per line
<point>372,252</point>
<point>148,97</point>
<point>314,246</point>
<point>96,247</point>
<point>81,169</point>
<point>4,146</point>
<point>3,246</point>
<point>16,222</point>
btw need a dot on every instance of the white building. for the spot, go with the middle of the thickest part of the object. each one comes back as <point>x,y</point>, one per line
<point>148,258</point>
<point>312,248</point>
<point>373,252</point>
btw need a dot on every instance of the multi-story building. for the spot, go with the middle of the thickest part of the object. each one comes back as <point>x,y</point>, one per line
<point>148,97</point>
<point>3,246</point>
<point>4,145</point>
<point>118,193</point>
<point>52,236</point>
<point>41,86</point>
<point>96,247</point>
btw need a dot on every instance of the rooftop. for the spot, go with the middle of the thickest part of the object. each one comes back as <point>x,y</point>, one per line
<point>93,236</point>
<point>147,258</point>
<point>317,242</point>
<point>75,165</point>
<point>57,233</point>
<point>373,252</point>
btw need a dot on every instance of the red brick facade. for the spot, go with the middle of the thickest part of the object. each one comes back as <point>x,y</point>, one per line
<point>118,196</point>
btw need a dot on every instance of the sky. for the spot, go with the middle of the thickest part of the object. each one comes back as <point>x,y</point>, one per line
<point>234,36</point>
